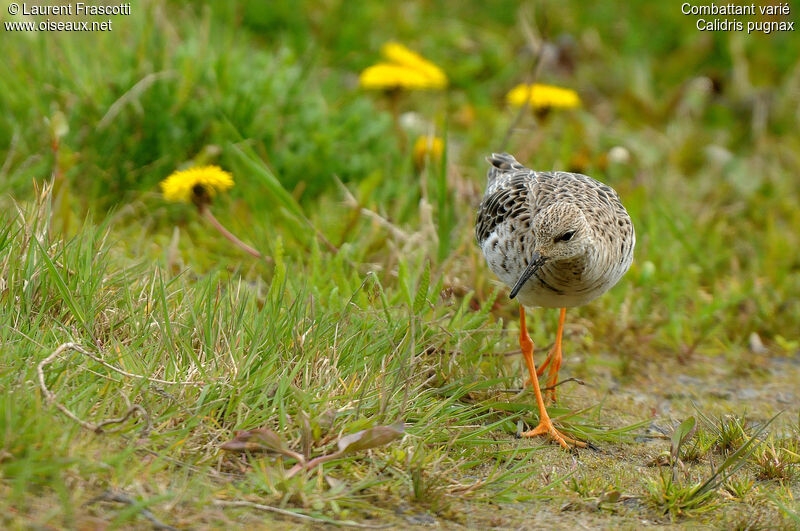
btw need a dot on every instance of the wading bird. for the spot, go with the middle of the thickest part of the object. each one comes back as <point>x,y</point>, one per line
<point>558,240</point>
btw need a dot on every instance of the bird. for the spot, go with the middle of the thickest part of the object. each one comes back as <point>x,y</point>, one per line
<point>557,240</point>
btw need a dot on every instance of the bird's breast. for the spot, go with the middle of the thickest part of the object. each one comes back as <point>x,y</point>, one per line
<point>558,283</point>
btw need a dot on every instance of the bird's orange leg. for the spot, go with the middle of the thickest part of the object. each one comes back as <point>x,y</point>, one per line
<point>543,366</point>
<point>552,354</point>
<point>555,358</point>
<point>545,426</point>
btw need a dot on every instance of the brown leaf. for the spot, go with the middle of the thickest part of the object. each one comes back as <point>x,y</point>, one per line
<point>259,440</point>
<point>371,438</point>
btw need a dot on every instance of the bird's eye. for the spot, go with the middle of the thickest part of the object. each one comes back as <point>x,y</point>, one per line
<point>567,236</point>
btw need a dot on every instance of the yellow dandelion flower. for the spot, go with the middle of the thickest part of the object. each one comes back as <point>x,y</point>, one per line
<point>404,69</point>
<point>398,54</point>
<point>196,184</point>
<point>543,96</point>
<point>385,76</point>
<point>427,147</point>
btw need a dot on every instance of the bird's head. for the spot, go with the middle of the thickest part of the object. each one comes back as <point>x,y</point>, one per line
<point>562,233</point>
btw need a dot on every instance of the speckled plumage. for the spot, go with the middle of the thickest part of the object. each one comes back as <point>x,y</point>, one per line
<point>574,226</point>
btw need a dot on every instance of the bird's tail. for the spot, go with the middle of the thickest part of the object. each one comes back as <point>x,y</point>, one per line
<point>500,163</point>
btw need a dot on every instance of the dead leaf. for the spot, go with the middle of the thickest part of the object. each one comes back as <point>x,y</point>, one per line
<point>371,438</point>
<point>260,440</point>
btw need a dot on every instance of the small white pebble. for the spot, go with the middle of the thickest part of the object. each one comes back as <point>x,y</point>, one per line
<point>756,345</point>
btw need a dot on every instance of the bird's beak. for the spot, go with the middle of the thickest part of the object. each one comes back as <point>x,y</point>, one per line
<point>536,262</point>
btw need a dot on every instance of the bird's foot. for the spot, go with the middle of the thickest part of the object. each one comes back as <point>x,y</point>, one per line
<point>547,428</point>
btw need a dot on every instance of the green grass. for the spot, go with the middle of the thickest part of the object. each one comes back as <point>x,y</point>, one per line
<point>376,306</point>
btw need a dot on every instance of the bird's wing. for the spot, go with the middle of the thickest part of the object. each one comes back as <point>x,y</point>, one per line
<point>509,198</point>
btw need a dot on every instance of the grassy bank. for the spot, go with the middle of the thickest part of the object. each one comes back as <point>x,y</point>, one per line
<point>374,305</point>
